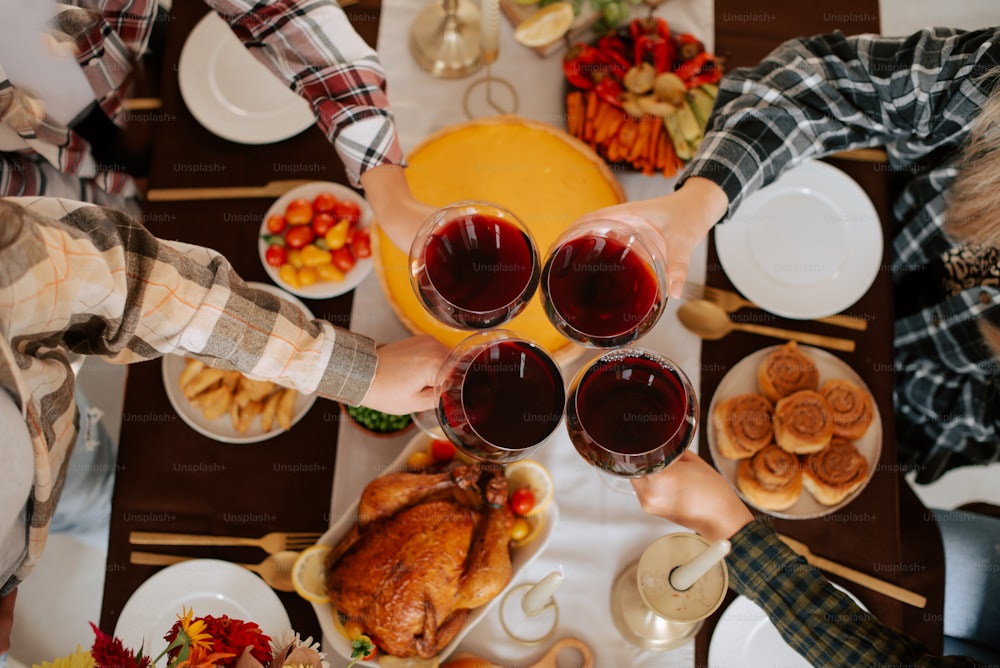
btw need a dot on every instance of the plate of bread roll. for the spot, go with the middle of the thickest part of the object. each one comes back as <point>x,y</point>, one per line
<point>795,430</point>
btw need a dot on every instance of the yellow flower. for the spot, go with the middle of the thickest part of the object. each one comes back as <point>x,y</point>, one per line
<point>194,630</point>
<point>78,659</point>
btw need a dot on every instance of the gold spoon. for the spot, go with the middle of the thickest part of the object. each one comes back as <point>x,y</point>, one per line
<point>276,570</point>
<point>711,322</point>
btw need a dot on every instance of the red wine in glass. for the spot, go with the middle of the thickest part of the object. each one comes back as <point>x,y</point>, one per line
<point>499,397</point>
<point>474,265</point>
<point>631,412</point>
<point>602,285</point>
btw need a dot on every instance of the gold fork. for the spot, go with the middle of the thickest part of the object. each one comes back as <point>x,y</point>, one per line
<point>857,577</point>
<point>730,302</point>
<point>276,541</point>
<point>275,569</point>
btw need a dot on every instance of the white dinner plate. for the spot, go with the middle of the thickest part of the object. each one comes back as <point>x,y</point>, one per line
<point>742,378</point>
<point>807,246</point>
<point>320,289</point>
<point>231,93</point>
<point>520,558</point>
<point>206,586</point>
<point>221,428</point>
<point>745,637</point>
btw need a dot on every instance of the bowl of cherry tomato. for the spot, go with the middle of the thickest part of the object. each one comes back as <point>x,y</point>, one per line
<point>315,240</point>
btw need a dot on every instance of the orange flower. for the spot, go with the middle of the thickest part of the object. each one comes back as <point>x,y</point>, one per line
<point>202,657</point>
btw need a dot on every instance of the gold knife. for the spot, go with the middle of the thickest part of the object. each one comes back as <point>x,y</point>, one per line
<point>857,577</point>
<point>269,189</point>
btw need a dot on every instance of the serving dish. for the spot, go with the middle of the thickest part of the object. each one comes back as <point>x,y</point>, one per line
<point>520,558</point>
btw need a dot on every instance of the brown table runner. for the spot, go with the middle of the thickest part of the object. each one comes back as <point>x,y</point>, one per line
<point>886,531</point>
<point>171,478</point>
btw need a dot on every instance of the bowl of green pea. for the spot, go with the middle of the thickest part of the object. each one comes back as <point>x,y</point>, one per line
<point>376,422</point>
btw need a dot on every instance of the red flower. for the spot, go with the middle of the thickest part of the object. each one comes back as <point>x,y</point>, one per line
<point>109,652</point>
<point>230,636</point>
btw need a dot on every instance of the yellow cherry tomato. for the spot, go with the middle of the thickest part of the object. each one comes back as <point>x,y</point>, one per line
<point>420,459</point>
<point>352,629</point>
<point>307,276</point>
<point>295,258</point>
<point>336,236</point>
<point>328,272</point>
<point>289,274</point>
<point>313,256</point>
<point>519,530</point>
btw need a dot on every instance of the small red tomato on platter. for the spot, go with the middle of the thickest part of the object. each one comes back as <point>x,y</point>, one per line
<point>522,501</point>
<point>324,202</point>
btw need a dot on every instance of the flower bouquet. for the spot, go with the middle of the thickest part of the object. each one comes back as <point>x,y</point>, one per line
<point>208,642</point>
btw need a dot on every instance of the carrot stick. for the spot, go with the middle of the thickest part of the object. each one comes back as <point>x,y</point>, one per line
<point>574,113</point>
<point>656,125</point>
<point>638,148</point>
<point>609,127</point>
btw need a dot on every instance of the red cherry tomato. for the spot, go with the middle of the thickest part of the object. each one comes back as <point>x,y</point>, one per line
<point>299,211</point>
<point>276,255</point>
<point>343,259</point>
<point>361,243</point>
<point>298,237</point>
<point>347,209</point>
<point>522,501</point>
<point>324,203</point>
<point>276,224</point>
<point>442,451</point>
<point>322,222</point>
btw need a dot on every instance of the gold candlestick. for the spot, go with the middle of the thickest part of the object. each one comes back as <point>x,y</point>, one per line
<point>444,38</point>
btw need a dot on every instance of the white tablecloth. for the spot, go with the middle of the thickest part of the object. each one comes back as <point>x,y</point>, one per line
<point>600,530</point>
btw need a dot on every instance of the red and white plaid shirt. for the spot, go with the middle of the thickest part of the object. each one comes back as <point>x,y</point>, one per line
<point>309,44</point>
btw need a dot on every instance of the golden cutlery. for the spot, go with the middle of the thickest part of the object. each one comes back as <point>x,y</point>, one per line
<point>863,155</point>
<point>269,189</point>
<point>710,321</point>
<point>857,577</point>
<point>273,542</point>
<point>730,302</point>
<point>275,570</point>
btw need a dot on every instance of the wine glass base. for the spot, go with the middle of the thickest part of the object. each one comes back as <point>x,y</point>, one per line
<point>446,45</point>
<point>638,624</point>
<point>615,483</point>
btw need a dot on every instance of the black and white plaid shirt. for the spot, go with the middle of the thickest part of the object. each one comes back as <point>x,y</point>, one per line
<point>917,97</point>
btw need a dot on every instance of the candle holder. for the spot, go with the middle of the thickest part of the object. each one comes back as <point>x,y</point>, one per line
<point>444,38</point>
<point>529,613</point>
<point>490,51</point>
<point>661,600</point>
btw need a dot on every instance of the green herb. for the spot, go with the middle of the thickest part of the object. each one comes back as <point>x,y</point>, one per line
<point>361,647</point>
<point>377,421</point>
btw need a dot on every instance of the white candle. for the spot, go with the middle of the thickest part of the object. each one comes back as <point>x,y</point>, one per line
<point>684,576</point>
<point>538,597</point>
<point>489,31</point>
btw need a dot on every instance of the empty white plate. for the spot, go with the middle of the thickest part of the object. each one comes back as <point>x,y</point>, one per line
<point>234,95</point>
<point>807,246</point>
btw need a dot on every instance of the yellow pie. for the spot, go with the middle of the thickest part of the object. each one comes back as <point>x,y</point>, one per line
<point>541,174</point>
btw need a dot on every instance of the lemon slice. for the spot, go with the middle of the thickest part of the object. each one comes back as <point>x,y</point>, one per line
<point>309,574</point>
<point>533,475</point>
<point>546,25</point>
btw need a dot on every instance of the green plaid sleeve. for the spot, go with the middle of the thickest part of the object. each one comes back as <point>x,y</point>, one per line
<point>815,619</point>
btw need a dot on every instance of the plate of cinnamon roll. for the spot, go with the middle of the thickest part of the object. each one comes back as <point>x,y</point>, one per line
<point>795,430</point>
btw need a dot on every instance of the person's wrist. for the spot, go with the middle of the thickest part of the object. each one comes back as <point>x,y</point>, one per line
<point>705,200</point>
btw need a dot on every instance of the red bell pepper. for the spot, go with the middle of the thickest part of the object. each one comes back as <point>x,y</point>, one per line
<point>615,50</point>
<point>609,89</point>
<point>703,68</point>
<point>584,65</point>
<point>687,46</point>
<point>651,37</point>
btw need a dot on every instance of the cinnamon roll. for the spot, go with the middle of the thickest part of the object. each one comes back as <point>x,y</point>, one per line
<point>743,425</point>
<point>771,479</point>
<point>851,405</point>
<point>785,370</point>
<point>803,422</point>
<point>833,473</point>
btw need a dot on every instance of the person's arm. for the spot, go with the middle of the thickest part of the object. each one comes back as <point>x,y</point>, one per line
<point>815,96</point>
<point>821,623</point>
<point>140,297</point>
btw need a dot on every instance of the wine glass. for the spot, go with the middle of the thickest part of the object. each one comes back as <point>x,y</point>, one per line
<point>499,396</point>
<point>474,265</point>
<point>603,284</point>
<point>630,413</point>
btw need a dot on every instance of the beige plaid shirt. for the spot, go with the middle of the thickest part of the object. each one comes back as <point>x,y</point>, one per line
<point>78,278</point>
